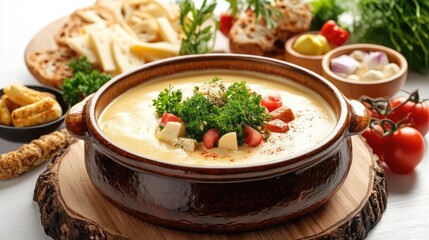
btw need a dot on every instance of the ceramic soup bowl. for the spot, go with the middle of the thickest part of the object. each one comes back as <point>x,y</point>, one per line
<point>218,198</point>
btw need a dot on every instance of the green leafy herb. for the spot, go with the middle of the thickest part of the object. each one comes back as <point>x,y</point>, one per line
<point>324,10</point>
<point>168,101</point>
<point>261,8</point>
<point>402,25</point>
<point>197,36</point>
<point>84,82</point>
<point>199,114</point>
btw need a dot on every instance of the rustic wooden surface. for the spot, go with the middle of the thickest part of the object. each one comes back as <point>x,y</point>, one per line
<point>71,208</point>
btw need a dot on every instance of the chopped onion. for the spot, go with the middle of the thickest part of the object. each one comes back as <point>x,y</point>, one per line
<point>344,64</point>
<point>353,77</point>
<point>373,75</point>
<point>390,69</point>
<point>358,55</point>
<point>376,60</point>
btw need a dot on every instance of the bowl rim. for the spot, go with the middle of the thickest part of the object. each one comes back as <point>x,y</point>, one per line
<point>347,49</point>
<point>40,126</point>
<point>221,173</point>
<point>289,49</point>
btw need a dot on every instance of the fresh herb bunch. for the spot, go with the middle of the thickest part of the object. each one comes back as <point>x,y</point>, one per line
<point>324,10</point>
<point>401,24</point>
<point>85,80</point>
<point>197,37</point>
<point>168,101</point>
<point>261,8</point>
<point>199,115</point>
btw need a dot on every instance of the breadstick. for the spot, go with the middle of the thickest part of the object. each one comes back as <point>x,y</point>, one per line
<point>5,118</point>
<point>22,95</point>
<point>28,156</point>
<point>40,112</point>
<point>9,103</point>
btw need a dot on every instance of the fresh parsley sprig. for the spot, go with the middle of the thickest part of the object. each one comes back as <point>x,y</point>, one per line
<point>85,81</point>
<point>199,114</point>
<point>198,33</point>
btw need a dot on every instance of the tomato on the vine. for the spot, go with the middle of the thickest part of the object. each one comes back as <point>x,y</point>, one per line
<point>336,35</point>
<point>374,138</point>
<point>404,149</point>
<point>416,114</point>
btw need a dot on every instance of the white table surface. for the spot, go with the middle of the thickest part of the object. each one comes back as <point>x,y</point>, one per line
<point>406,216</point>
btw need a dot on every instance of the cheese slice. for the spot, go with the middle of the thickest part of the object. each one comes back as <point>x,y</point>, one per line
<point>167,31</point>
<point>82,45</point>
<point>102,40</point>
<point>121,44</point>
<point>90,16</point>
<point>155,51</point>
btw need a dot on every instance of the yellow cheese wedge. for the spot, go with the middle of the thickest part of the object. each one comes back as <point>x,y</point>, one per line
<point>167,31</point>
<point>82,45</point>
<point>155,51</point>
<point>229,141</point>
<point>102,40</point>
<point>121,44</point>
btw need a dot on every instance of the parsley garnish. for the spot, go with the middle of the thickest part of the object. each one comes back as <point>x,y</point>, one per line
<point>85,80</point>
<point>199,114</point>
<point>168,101</point>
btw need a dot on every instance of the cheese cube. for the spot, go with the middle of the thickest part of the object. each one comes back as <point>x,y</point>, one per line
<point>229,141</point>
<point>187,144</point>
<point>171,131</point>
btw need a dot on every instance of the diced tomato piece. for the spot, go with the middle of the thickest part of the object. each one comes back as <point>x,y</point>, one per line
<point>283,113</point>
<point>168,117</point>
<point>252,137</point>
<point>225,23</point>
<point>277,126</point>
<point>272,101</point>
<point>210,138</point>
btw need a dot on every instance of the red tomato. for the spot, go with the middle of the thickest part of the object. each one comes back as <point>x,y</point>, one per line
<point>374,138</point>
<point>336,35</point>
<point>252,137</point>
<point>327,28</point>
<point>168,117</point>
<point>404,149</point>
<point>225,23</point>
<point>272,101</point>
<point>416,114</point>
<point>210,138</point>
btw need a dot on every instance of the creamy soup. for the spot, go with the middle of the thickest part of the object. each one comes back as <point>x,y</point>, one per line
<point>130,121</point>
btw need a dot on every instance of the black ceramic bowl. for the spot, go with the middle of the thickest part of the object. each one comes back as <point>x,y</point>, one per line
<point>26,134</point>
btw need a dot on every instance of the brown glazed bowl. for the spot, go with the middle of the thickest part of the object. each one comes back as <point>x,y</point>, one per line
<point>217,199</point>
<point>387,87</point>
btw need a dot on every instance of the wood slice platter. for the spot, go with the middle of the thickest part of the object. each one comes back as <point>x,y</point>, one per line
<point>71,208</point>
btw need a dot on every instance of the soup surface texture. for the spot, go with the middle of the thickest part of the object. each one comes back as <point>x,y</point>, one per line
<point>130,121</point>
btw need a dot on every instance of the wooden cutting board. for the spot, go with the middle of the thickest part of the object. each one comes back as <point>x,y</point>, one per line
<point>71,208</point>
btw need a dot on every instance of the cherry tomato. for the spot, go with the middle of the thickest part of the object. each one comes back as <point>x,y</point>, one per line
<point>336,35</point>
<point>252,137</point>
<point>374,138</point>
<point>225,23</point>
<point>416,114</point>
<point>168,117</point>
<point>210,138</point>
<point>404,150</point>
<point>272,101</point>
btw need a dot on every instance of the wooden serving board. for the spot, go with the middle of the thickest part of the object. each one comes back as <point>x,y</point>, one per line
<point>71,208</point>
